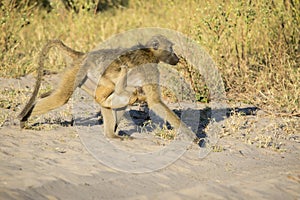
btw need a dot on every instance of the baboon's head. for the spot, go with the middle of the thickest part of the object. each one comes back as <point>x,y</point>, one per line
<point>162,48</point>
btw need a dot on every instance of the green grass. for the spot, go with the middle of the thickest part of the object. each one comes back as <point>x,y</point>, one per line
<point>255,44</point>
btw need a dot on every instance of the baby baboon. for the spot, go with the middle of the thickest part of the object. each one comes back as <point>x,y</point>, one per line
<point>136,66</point>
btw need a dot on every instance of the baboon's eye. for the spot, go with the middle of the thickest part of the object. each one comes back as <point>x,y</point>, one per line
<point>155,44</point>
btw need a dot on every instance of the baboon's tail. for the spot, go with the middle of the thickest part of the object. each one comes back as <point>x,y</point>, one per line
<point>26,112</point>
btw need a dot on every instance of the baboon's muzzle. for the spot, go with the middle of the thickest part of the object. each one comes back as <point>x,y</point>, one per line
<point>173,60</point>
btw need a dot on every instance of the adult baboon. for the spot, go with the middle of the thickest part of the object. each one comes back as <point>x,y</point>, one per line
<point>136,66</point>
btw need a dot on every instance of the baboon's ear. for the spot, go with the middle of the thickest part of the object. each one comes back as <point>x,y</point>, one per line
<point>155,44</point>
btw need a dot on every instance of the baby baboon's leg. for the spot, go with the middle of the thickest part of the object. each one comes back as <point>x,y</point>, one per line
<point>58,97</point>
<point>103,91</point>
<point>120,97</point>
<point>140,98</point>
<point>89,86</point>
<point>112,95</point>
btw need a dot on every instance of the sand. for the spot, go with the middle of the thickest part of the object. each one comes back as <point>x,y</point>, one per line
<point>55,164</point>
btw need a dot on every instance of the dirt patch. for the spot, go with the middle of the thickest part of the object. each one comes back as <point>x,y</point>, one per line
<point>257,155</point>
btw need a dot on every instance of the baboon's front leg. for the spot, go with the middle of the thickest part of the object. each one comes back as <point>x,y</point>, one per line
<point>155,103</point>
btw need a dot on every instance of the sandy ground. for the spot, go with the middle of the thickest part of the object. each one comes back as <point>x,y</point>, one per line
<point>55,164</point>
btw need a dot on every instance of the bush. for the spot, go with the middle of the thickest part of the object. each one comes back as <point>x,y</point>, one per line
<point>255,44</point>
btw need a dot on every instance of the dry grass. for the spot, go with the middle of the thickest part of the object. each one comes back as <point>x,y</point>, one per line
<point>255,44</point>
<point>270,132</point>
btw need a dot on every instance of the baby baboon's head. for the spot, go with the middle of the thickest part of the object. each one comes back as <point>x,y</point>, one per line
<point>162,48</point>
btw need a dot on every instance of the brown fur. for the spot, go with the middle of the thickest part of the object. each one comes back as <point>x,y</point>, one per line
<point>75,55</point>
<point>112,86</point>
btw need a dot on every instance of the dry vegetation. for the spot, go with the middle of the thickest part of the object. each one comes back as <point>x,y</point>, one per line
<point>255,44</point>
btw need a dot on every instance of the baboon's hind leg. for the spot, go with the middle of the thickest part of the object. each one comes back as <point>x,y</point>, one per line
<point>55,100</point>
<point>58,97</point>
<point>47,103</point>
